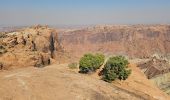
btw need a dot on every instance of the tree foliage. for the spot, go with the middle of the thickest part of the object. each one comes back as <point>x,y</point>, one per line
<point>115,68</point>
<point>90,62</point>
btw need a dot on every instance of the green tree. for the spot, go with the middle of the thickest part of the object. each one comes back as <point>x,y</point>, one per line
<point>99,60</point>
<point>115,67</point>
<point>90,62</point>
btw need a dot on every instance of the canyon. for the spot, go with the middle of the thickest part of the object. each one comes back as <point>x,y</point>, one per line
<point>28,49</point>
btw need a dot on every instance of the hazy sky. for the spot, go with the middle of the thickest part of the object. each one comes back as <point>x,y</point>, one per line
<point>84,12</point>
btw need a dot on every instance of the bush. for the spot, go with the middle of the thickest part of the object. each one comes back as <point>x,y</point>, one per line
<point>90,62</point>
<point>99,60</point>
<point>115,68</point>
<point>73,65</point>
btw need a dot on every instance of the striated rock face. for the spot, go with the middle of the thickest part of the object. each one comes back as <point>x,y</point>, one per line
<point>158,70</point>
<point>155,67</point>
<point>29,47</point>
<point>134,41</point>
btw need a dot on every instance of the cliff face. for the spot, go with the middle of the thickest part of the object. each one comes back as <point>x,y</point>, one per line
<point>134,41</point>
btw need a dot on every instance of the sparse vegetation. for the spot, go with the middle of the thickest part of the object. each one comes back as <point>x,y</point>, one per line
<point>115,68</point>
<point>73,65</point>
<point>90,62</point>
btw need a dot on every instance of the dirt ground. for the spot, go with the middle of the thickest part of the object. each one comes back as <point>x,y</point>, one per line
<point>58,82</point>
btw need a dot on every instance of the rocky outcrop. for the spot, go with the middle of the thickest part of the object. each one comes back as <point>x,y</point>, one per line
<point>157,70</point>
<point>34,46</point>
<point>155,67</point>
<point>43,60</point>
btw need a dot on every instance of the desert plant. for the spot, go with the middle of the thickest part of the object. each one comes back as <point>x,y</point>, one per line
<point>99,60</point>
<point>90,62</point>
<point>115,68</point>
<point>73,65</point>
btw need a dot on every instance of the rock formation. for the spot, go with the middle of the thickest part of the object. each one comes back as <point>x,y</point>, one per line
<point>34,46</point>
<point>155,67</point>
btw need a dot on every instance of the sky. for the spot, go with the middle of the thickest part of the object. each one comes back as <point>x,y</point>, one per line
<point>84,12</point>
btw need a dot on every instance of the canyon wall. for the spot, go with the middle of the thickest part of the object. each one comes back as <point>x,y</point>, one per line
<point>140,41</point>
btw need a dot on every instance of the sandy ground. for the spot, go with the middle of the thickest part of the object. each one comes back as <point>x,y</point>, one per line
<point>58,82</point>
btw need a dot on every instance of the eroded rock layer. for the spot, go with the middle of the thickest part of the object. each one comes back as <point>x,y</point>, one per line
<point>140,41</point>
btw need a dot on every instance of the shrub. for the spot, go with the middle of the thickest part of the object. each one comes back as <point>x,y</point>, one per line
<point>99,60</point>
<point>90,62</point>
<point>115,68</point>
<point>73,65</point>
